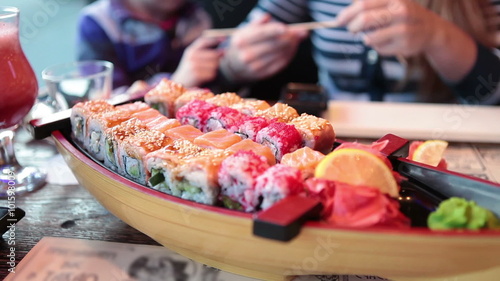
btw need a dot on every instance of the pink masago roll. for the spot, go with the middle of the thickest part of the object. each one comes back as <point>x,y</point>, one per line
<point>195,113</point>
<point>237,177</point>
<point>281,138</point>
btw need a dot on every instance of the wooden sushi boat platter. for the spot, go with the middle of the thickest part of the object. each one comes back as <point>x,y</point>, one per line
<point>286,240</point>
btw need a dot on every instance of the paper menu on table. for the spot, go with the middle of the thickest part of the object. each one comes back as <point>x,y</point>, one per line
<point>66,259</point>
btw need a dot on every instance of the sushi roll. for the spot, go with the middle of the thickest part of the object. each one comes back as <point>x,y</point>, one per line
<point>162,165</point>
<point>305,159</point>
<point>97,126</point>
<point>80,113</point>
<point>247,128</point>
<point>133,150</point>
<point>257,148</point>
<point>225,99</point>
<point>281,138</point>
<point>317,133</point>
<point>134,107</point>
<point>162,123</point>
<point>250,107</point>
<point>190,95</point>
<point>224,117</point>
<point>279,112</point>
<point>184,132</point>
<point>114,136</point>
<point>237,178</point>
<point>162,97</point>
<point>278,182</point>
<point>220,139</point>
<point>147,115</point>
<point>195,113</point>
<point>198,176</point>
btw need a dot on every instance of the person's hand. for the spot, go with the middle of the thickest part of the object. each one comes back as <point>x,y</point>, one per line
<point>394,27</point>
<point>259,50</point>
<point>199,63</point>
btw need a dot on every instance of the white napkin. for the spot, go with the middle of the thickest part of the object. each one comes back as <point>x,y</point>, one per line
<point>58,172</point>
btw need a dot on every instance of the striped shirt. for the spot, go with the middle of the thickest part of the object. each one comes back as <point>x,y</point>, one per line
<point>342,58</point>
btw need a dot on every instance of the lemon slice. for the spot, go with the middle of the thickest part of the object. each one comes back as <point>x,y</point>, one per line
<point>357,167</point>
<point>430,152</point>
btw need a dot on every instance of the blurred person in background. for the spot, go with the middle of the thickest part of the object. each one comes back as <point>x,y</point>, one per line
<point>447,49</point>
<point>149,40</point>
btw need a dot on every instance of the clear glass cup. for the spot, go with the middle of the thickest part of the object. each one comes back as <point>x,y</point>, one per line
<point>70,83</point>
<point>18,92</point>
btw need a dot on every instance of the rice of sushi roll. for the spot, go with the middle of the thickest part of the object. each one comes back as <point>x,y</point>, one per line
<point>281,138</point>
<point>162,165</point>
<point>133,151</point>
<point>219,139</point>
<point>278,182</point>
<point>225,99</point>
<point>250,107</point>
<point>190,95</point>
<point>80,113</point>
<point>279,112</point>
<point>198,176</point>
<point>247,128</point>
<point>237,177</point>
<point>317,133</point>
<point>115,136</point>
<point>195,113</point>
<point>224,117</point>
<point>162,97</point>
<point>97,125</point>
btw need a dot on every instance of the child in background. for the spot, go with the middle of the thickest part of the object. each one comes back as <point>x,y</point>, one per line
<point>149,40</point>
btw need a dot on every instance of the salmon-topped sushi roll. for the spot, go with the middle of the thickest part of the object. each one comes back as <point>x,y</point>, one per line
<point>224,117</point>
<point>133,107</point>
<point>195,113</point>
<point>317,133</point>
<point>97,126</point>
<point>162,123</point>
<point>281,138</point>
<point>278,182</point>
<point>220,139</point>
<point>162,97</point>
<point>257,148</point>
<point>304,159</point>
<point>162,164</point>
<point>250,107</point>
<point>247,128</point>
<point>225,99</point>
<point>280,112</point>
<point>190,95</point>
<point>133,151</point>
<point>198,176</point>
<point>237,178</point>
<point>184,132</point>
<point>80,113</point>
<point>115,136</point>
<point>147,115</point>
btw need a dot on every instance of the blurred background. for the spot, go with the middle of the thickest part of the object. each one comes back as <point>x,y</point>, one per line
<point>48,36</point>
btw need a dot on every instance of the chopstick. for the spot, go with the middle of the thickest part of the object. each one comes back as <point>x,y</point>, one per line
<point>224,32</point>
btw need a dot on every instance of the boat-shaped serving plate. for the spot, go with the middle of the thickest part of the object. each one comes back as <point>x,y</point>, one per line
<point>225,238</point>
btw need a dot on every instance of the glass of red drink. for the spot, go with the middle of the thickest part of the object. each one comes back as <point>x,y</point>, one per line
<point>18,92</point>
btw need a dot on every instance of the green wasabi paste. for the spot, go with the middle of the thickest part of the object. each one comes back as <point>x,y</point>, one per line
<point>459,213</point>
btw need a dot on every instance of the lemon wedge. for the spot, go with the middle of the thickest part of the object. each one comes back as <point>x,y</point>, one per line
<point>430,152</point>
<point>357,167</point>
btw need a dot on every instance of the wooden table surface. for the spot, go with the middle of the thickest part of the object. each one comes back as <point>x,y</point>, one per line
<point>59,211</point>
